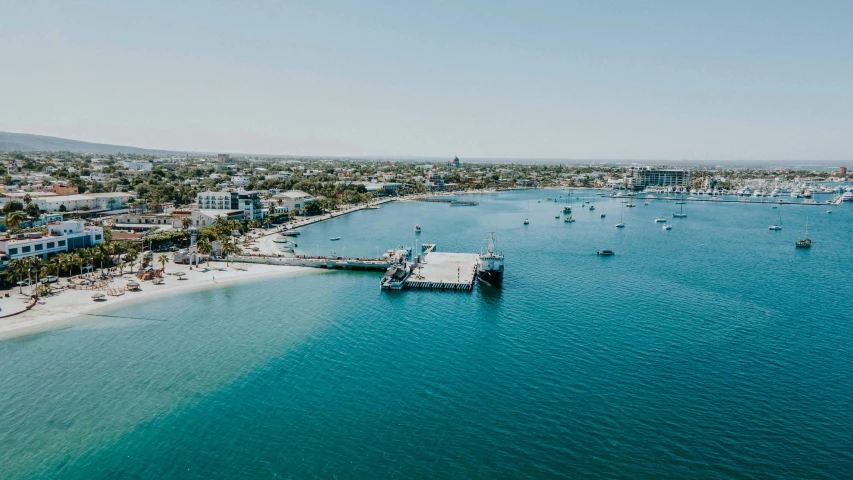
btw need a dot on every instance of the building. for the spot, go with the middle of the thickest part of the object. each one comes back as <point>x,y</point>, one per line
<point>248,202</point>
<point>642,177</point>
<point>137,166</point>
<point>223,158</point>
<point>61,237</point>
<point>842,171</point>
<point>206,218</point>
<point>292,199</point>
<point>62,188</point>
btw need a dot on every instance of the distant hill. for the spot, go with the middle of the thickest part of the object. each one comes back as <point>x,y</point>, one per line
<point>40,143</point>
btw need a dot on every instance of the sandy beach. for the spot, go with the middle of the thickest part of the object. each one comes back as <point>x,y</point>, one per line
<point>67,306</point>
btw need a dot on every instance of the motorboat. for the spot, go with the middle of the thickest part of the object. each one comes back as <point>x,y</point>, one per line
<point>666,227</point>
<point>606,253</point>
<point>418,228</point>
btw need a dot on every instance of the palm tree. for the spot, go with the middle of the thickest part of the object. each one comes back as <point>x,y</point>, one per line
<point>186,222</point>
<point>204,247</point>
<point>163,259</point>
<point>147,259</point>
<point>14,219</point>
<point>14,271</point>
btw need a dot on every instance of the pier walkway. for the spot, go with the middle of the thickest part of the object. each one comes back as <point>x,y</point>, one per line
<point>444,271</point>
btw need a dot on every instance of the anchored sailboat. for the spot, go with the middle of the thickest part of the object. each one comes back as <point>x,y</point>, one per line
<point>806,242</point>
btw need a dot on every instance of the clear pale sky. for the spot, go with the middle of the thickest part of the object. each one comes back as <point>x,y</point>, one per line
<point>727,80</point>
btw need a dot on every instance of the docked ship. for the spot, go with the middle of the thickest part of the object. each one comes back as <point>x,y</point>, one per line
<point>490,265</point>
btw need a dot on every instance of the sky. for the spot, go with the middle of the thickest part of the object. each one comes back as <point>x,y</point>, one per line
<point>651,80</point>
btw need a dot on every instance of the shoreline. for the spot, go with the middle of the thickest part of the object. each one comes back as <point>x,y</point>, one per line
<point>69,307</point>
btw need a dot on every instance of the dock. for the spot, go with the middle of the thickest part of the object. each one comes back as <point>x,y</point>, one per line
<point>431,270</point>
<point>444,271</point>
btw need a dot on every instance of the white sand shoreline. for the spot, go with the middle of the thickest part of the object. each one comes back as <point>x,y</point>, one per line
<point>68,307</point>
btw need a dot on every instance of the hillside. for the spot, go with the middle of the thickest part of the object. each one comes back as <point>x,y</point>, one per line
<point>28,143</point>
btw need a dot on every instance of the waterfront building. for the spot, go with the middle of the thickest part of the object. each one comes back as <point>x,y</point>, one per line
<point>292,199</point>
<point>842,171</point>
<point>642,177</point>
<point>248,202</point>
<point>206,218</point>
<point>62,236</point>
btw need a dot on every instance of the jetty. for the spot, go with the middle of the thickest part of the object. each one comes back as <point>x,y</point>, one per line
<point>444,271</point>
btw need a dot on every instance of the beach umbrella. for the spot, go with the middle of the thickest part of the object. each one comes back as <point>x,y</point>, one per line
<point>98,296</point>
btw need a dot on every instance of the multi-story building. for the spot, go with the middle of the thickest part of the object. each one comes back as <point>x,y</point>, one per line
<point>137,166</point>
<point>61,237</point>
<point>292,199</point>
<point>642,177</point>
<point>248,202</point>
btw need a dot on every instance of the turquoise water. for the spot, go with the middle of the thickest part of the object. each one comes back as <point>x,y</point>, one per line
<point>714,350</point>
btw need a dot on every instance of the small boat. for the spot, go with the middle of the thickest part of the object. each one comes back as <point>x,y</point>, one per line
<point>334,239</point>
<point>621,224</point>
<point>645,203</point>
<point>526,221</point>
<point>606,253</point>
<point>591,208</point>
<point>603,215</point>
<point>680,213</point>
<point>418,228</point>
<point>557,216</point>
<point>777,226</point>
<point>666,227</point>
<point>660,220</point>
<point>806,242</point>
<point>569,219</point>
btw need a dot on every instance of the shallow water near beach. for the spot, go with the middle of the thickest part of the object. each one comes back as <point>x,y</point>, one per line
<point>713,350</point>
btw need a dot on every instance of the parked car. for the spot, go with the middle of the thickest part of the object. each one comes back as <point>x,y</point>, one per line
<point>24,283</point>
<point>49,279</point>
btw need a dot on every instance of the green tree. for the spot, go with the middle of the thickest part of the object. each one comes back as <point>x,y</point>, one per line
<point>14,219</point>
<point>32,210</point>
<point>13,206</point>
<point>163,259</point>
<point>204,247</point>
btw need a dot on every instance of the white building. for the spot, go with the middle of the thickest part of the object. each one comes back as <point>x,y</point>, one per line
<point>206,218</point>
<point>248,202</point>
<point>62,237</point>
<point>137,166</point>
<point>292,199</point>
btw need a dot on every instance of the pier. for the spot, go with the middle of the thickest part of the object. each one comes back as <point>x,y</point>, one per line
<point>429,270</point>
<point>444,271</point>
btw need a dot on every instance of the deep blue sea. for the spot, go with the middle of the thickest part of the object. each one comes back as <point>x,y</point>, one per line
<point>713,350</point>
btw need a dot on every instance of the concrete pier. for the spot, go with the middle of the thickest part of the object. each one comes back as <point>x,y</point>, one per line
<point>444,271</point>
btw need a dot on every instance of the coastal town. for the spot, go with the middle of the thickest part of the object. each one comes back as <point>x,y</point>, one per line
<point>82,229</point>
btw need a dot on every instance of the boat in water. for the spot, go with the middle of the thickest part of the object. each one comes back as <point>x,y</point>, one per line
<point>805,242</point>
<point>606,253</point>
<point>666,227</point>
<point>621,224</point>
<point>334,239</point>
<point>418,228</point>
<point>569,219</point>
<point>778,225</point>
<point>490,265</point>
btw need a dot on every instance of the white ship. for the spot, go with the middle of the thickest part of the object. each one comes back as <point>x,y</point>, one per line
<point>490,265</point>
